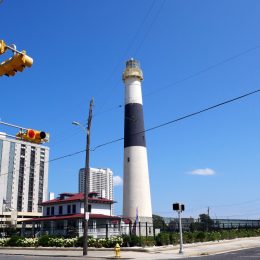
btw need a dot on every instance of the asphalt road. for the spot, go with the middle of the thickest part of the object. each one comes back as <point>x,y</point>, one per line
<point>26,257</point>
<point>249,254</point>
<point>253,253</point>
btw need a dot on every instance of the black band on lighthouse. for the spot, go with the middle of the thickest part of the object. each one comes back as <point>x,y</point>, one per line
<point>134,125</point>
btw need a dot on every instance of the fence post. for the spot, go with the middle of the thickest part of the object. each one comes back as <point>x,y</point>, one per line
<point>130,229</point>
<point>106,230</point>
<point>140,233</point>
<point>146,230</point>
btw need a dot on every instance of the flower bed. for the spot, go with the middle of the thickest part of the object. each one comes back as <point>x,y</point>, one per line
<point>129,241</point>
<point>51,241</point>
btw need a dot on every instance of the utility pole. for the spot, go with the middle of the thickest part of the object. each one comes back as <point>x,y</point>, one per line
<point>86,190</point>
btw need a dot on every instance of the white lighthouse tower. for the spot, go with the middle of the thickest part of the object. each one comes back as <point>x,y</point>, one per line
<point>137,197</point>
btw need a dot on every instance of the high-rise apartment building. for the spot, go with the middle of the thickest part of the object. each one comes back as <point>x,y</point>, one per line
<point>100,181</point>
<point>23,175</point>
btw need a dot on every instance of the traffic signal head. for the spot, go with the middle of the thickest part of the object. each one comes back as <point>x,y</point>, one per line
<point>2,47</point>
<point>16,63</point>
<point>34,136</point>
<point>178,206</point>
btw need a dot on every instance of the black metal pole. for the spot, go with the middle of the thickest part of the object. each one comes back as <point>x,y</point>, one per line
<point>86,189</point>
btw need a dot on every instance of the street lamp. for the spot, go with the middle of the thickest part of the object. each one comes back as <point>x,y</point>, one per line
<point>86,188</point>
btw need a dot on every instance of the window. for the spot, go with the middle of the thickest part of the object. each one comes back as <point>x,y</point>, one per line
<point>89,208</point>
<point>48,211</point>
<point>31,179</point>
<point>60,210</point>
<point>41,182</point>
<point>74,208</point>
<point>69,209</point>
<point>52,210</point>
<point>21,179</point>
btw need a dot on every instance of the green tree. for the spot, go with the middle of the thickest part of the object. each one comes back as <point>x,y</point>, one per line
<point>158,222</point>
<point>173,225</point>
<point>206,222</point>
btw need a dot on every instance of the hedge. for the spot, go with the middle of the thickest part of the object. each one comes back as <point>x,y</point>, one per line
<point>161,239</point>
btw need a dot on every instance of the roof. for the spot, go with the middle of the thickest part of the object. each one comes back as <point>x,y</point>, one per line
<point>71,216</point>
<point>76,197</point>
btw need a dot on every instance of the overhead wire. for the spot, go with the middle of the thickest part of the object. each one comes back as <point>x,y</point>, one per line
<point>151,128</point>
<point>150,27</point>
<point>131,44</point>
<point>191,76</point>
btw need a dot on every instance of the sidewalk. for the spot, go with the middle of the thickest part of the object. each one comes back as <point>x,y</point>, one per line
<point>167,252</point>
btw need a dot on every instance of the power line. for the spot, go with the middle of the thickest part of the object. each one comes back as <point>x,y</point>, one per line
<point>203,110</point>
<point>155,127</point>
<point>191,76</point>
<point>150,27</point>
<point>129,46</point>
<point>182,118</point>
<point>202,71</point>
<point>143,39</point>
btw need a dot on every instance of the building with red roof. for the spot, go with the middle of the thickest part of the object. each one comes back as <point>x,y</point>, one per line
<point>64,215</point>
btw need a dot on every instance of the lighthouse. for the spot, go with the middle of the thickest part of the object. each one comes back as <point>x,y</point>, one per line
<point>136,189</point>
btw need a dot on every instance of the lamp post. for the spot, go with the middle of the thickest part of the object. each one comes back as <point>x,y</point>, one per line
<point>86,188</point>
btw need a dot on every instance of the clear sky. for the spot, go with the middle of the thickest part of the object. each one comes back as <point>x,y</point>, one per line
<point>194,54</point>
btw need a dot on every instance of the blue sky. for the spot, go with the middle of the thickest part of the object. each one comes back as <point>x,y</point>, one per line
<point>194,54</point>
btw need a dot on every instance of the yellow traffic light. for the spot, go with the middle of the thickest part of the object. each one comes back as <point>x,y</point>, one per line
<point>34,136</point>
<point>16,63</point>
<point>2,47</point>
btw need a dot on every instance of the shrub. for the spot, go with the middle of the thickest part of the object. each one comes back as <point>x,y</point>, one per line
<point>56,242</point>
<point>43,240</point>
<point>4,241</point>
<point>129,241</point>
<point>15,241</point>
<point>79,242</point>
<point>162,239</point>
<point>70,242</point>
<point>149,241</point>
<point>174,238</point>
<point>200,236</point>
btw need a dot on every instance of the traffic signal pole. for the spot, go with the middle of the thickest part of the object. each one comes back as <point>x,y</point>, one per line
<point>29,135</point>
<point>11,125</point>
<point>180,229</point>
<point>179,208</point>
<point>86,190</point>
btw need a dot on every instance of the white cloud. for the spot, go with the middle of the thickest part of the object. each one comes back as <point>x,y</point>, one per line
<point>204,172</point>
<point>117,181</point>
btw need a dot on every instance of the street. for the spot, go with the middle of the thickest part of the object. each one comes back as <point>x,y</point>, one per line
<point>26,257</point>
<point>253,253</point>
<point>243,254</point>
